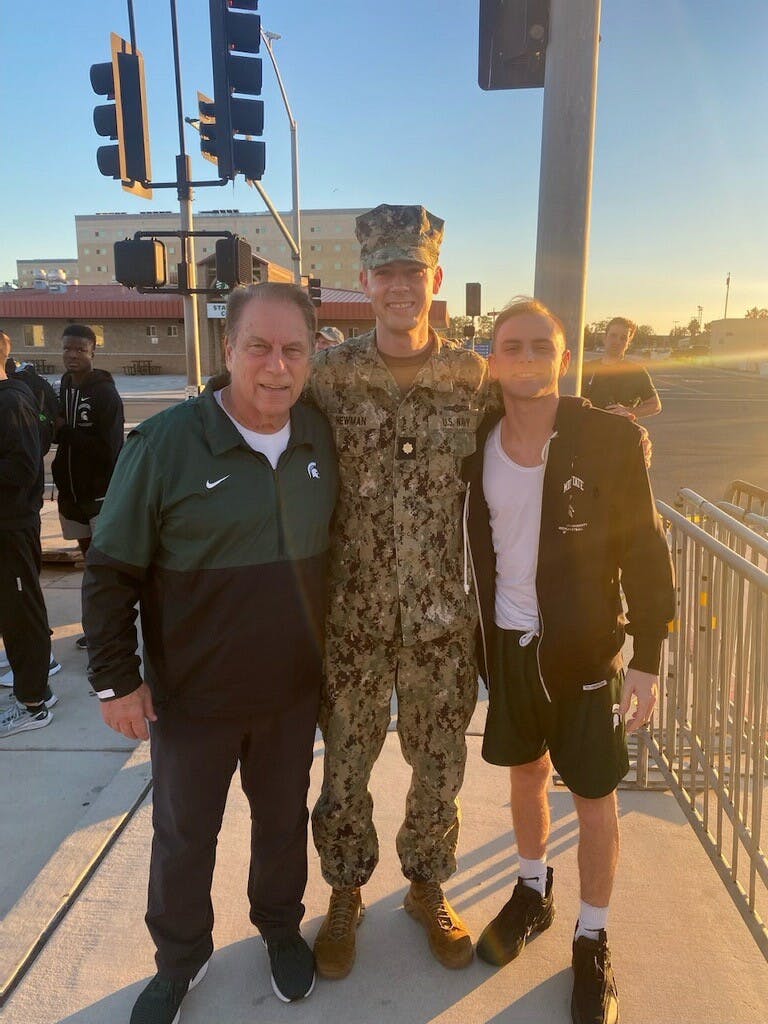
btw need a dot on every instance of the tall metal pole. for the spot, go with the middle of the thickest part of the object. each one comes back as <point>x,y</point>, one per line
<point>187,265</point>
<point>727,289</point>
<point>296,256</point>
<point>565,189</point>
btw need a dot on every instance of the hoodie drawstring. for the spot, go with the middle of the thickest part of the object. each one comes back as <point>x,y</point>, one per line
<point>465,538</point>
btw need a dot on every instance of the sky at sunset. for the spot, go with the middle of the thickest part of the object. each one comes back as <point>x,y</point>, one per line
<point>389,110</point>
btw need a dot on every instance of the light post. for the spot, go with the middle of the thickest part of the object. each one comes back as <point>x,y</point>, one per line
<point>268,38</point>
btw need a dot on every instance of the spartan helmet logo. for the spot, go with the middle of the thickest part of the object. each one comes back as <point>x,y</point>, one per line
<point>312,471</point>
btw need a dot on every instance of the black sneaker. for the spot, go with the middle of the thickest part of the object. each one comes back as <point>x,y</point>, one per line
<point>595,999</point>
<point>81,643</point>
<point>523,914</point>
<point>160,1002</point>
<point>292,966</point>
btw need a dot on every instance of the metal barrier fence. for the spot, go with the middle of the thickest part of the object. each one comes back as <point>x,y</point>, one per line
<point>709,732</point>
<point>748,497</point>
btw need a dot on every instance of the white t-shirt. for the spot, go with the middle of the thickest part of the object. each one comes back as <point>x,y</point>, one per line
<point>513,494</point>
<point>271,445</point>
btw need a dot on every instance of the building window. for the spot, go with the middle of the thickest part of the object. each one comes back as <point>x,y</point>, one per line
<point>171,250</point>
<point>205,248</point>
<point>87,269</point>
<point>316,248</point>
<point>98,330</point>
<point>86,252</point>
<point>337,284</point>
<point>337,248</point>
<point>173,330</point>
<point>337,266</point>
<point>173,277</point>
<point>337,229</point>
<point>99,252</point>
<point>353,332</point>
<point>101,270</point>
<point>34,335</point>
<point>96,234</point>
<point>313,266</point>
<point>151,330</point>
<point>258,248</point>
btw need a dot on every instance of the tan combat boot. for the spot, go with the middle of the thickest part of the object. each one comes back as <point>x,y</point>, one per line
<point>335,942</point>
<point>449,939</point>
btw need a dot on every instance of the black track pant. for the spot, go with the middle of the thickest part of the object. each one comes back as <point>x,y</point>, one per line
<point>193,761</point>
<point>23,618</point>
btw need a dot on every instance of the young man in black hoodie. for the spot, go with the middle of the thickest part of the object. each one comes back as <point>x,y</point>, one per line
<point>89,434</point>
<point>23,619</point>
<point>560,514</point>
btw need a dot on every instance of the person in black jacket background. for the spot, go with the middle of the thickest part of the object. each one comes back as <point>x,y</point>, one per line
<point>560,515</point>
<point>89,435</point>
<point>23,619</point>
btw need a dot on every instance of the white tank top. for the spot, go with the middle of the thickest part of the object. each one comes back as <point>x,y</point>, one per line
<point>513,494</point>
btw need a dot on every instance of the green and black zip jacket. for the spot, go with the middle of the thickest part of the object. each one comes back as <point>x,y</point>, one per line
<point>225,556</point>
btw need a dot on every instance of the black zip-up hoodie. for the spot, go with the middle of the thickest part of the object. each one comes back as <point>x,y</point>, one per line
<point>599,529</point>
<point>91,439</point>
<point>21,467</point>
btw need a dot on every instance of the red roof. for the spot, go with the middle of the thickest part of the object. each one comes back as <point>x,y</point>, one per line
<point>90,302</point>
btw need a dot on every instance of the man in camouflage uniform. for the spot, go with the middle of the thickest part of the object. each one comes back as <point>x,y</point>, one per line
<point>403,405</point>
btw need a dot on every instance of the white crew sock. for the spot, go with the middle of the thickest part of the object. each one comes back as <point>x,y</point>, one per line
<point>533,873</point>
<point>592,920</point>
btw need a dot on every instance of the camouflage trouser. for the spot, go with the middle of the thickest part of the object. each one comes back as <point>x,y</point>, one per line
<point>436,685</point>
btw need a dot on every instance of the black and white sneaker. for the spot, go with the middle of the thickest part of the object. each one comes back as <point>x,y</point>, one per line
<point>160,1002</point>
<point>292,967</point>
<point>524,913</point>
<point>81,643</point>
<point>595,998</point>
<point>19,718</point>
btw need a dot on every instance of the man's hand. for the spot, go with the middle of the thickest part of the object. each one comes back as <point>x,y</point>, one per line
<point>645,441</point>
<point>645,687</point>
<point>621,410</point>
<point>128,715</point>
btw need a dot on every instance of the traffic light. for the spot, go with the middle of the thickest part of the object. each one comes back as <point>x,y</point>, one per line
<point>235,39</point>
<point>315,291</point>
<point>141,263</point>
<point>234,261</point>
<point>472,299</point>
<point>513,43</point>
<point>125,120</point>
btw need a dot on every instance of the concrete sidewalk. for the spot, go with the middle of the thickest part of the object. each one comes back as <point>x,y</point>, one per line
<point>74,843</point>
<point>681,951</point>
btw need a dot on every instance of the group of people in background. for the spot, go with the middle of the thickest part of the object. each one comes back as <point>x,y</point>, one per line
<point>85,421</point>
<point>326,524</point>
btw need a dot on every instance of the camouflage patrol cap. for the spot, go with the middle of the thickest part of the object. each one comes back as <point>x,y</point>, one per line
<point>391,233</point>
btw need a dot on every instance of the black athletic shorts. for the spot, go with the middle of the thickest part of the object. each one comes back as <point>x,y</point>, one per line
<point>584,732</point>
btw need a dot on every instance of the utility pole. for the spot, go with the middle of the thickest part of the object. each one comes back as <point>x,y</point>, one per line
<point>184,178</point>
<point>727,289</point>
<point>567,152</point>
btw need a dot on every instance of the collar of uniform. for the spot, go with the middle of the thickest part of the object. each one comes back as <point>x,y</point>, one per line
<point>435,374</point>
<point>223,435</point>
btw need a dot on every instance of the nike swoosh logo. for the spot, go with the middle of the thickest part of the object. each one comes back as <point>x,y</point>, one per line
<point>210,484</point>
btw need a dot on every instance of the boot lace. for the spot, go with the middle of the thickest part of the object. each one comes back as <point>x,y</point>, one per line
<point>341,911</point>
<point>434,901</point>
